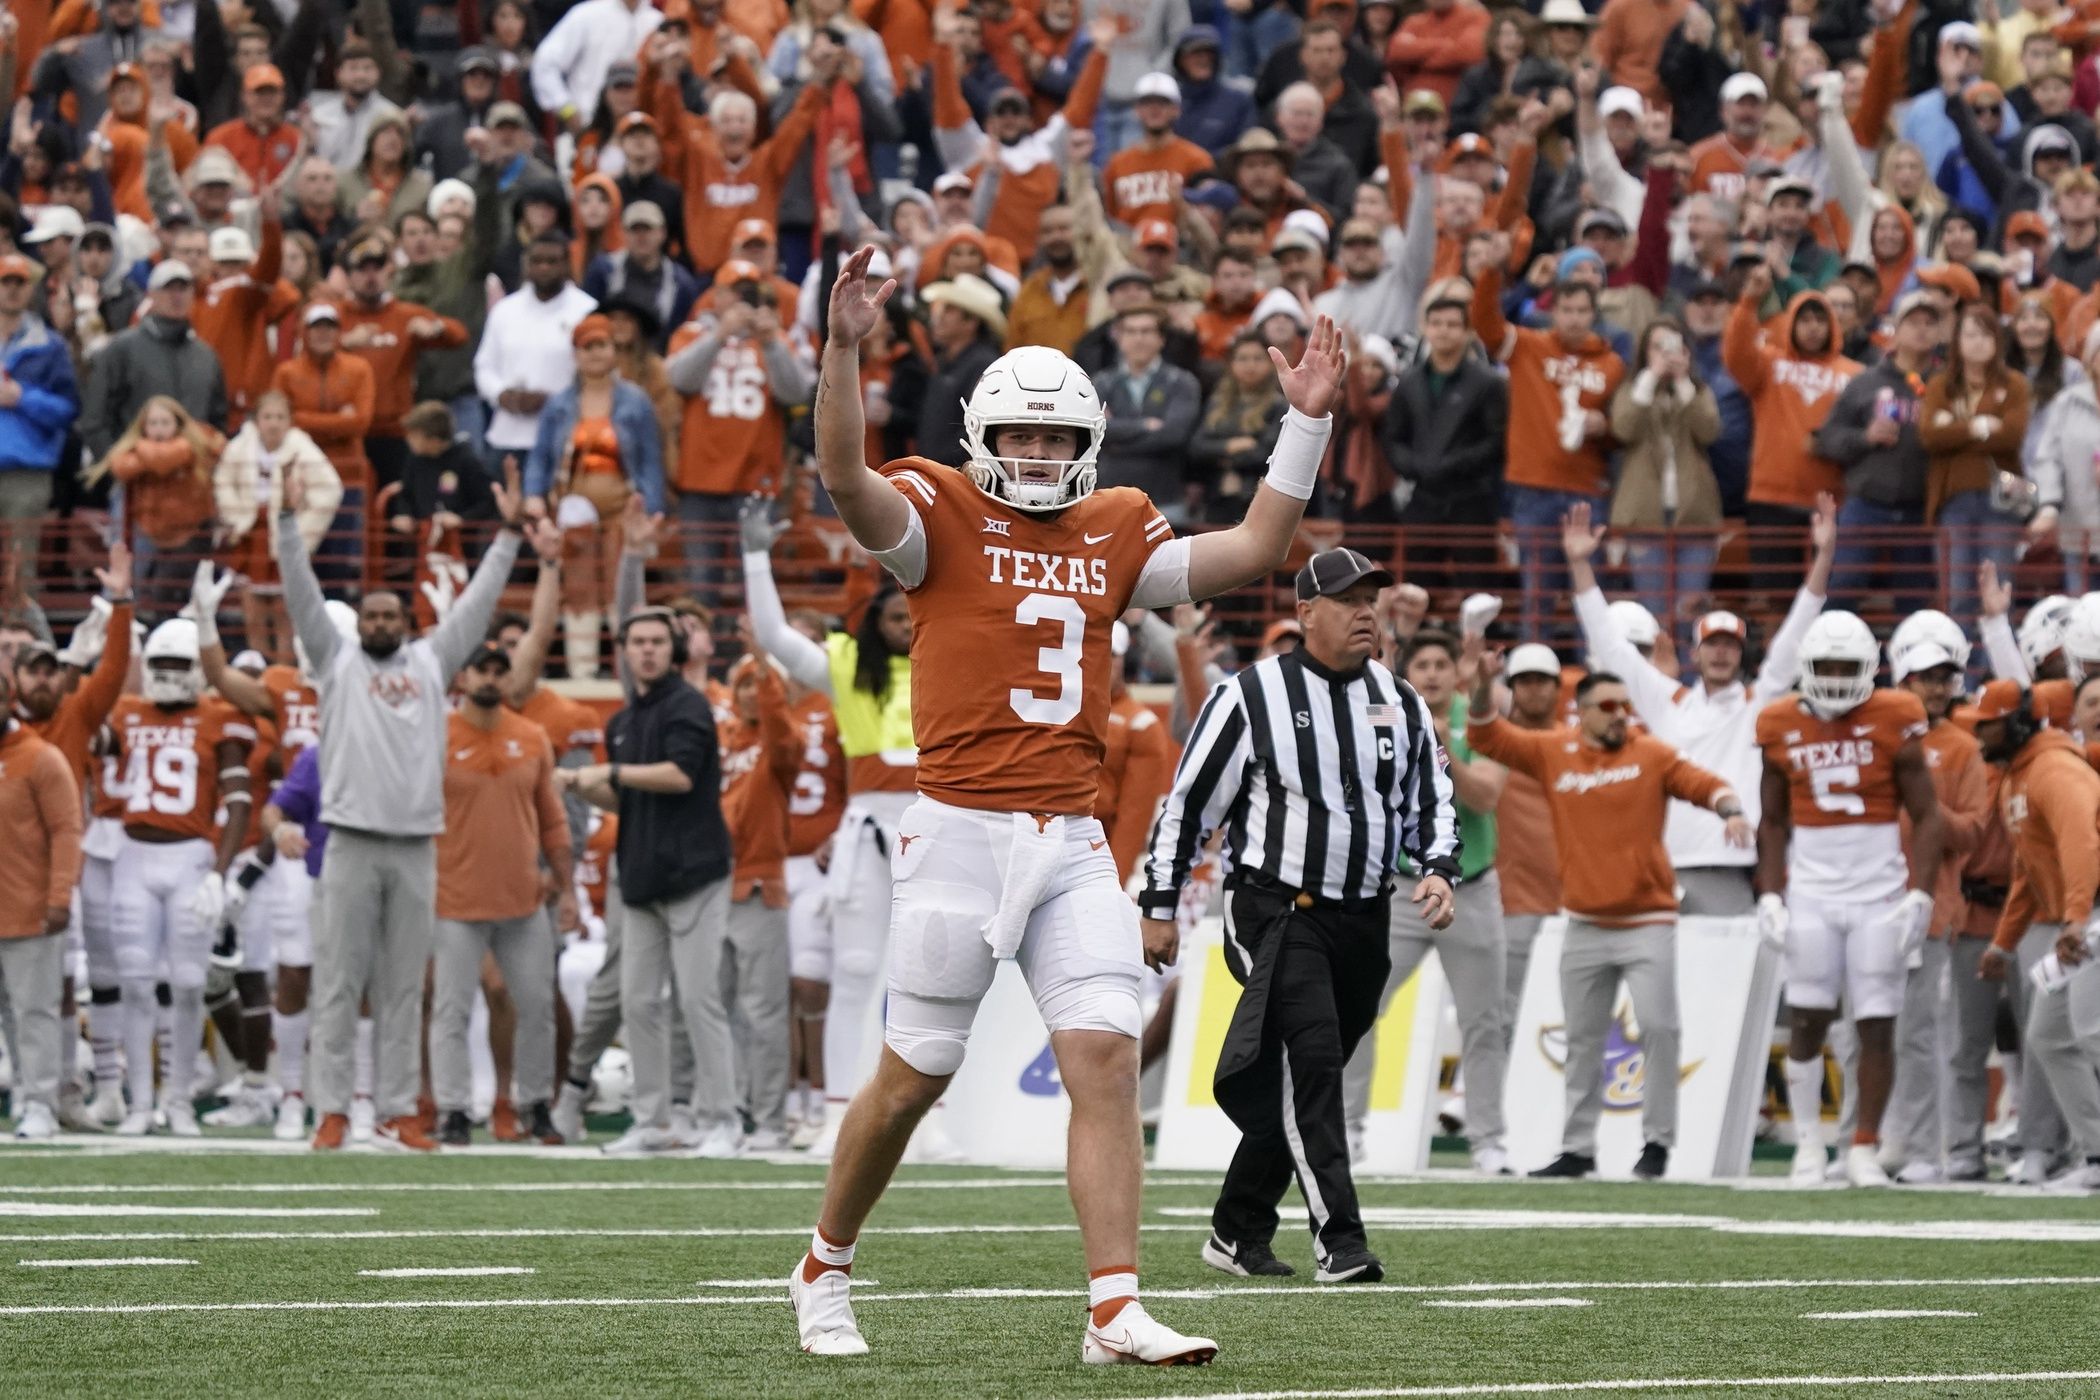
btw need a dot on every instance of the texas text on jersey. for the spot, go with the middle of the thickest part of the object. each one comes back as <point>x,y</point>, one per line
<point>1014,613</point>
<point>1842,794</point>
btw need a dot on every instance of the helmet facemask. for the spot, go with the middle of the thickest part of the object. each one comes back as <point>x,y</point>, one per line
<point>1036,387</point>
<point>1835,685</point>
<point>173,682</point>
<point>1070,482</point>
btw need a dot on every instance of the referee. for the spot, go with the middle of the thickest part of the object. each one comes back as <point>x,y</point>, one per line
<point>1321,769</point>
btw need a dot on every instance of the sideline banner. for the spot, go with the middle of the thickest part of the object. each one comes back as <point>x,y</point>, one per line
<point>1728,986</point>
<point>1195,1134</point>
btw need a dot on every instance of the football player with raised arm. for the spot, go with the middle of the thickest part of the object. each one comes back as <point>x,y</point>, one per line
<point>1016,569</point>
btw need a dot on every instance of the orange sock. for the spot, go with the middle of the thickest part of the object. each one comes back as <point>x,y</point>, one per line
<point>1863,1138</point>
<point>825,1255</point>
<point>1111,1290</point>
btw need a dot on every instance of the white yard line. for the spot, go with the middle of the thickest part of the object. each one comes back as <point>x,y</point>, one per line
<point>1885,1314</point>
<point>1516,1303</point>
<point>1457,1392</point>
<point>1301,1292</point>
<point>1956,1231</point>
<point>466,1271</point>
<point>55,1209</point>
<point>312,1188</point>
<point>142,1260</point>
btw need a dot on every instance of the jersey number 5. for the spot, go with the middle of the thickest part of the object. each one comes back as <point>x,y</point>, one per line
<point>1837,789</point>
<point>1060,661</point>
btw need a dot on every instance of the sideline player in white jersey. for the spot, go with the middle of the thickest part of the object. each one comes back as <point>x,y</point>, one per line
<point>1843,762</point>
<point>1016,572</point>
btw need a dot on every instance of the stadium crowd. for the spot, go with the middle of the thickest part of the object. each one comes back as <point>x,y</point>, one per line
<point>305,301</point>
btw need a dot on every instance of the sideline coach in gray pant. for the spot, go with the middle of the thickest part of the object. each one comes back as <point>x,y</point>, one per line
<point>665,781</point>
<point>383,718</point>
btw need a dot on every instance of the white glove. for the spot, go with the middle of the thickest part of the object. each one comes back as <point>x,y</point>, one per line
<point>209,902</point>
<point>89,637</point>
<point>1909,921</point>
<point>1772,920</point>
<point>447,576</point>
<point>237,887</point>
<point>206,592</point>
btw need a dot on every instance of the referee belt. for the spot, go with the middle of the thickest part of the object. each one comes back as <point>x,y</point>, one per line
<point>1305,900</point>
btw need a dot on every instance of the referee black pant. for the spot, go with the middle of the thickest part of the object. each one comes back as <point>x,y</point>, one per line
<point>1311,979</point>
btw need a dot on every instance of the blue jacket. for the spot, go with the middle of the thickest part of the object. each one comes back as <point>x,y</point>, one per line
<point>1214,113</point>
<point>641,442</point>
<point>33,432</point>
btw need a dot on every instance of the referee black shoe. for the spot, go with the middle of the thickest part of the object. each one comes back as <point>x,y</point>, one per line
<point>1244,1260</point>
<point>455,1131</point>
<point>1655,1160</point>
<point>1357,1265</point>
<point>1571,1165</point>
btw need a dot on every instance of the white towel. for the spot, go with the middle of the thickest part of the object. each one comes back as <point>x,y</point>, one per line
<point>1037,851</point>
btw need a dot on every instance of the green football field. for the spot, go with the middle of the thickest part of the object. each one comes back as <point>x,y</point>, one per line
<point>253,1272</point>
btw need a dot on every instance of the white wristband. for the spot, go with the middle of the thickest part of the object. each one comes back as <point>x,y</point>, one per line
<point>207,629</point>
<point>1294,467</point>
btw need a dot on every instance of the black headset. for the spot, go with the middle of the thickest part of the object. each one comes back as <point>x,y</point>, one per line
<point>680,652</point>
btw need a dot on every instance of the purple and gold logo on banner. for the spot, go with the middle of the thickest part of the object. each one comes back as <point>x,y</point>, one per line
<point>1625,1067</point>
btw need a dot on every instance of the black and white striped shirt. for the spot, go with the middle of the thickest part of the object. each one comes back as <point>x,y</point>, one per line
<point>1320,780</point>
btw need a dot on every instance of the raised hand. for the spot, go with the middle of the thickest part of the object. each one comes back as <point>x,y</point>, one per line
<point>1823,524</point>
<point>1313,384</point>
<point>1578,537</point>
<point>208,590</point>
<point>545,538</point>
<point>756,526</point>
<point>854,310</point>
<point>1994,593</point>
<point>638,528</point>
<point>510,500</point>
<point>116,579</point>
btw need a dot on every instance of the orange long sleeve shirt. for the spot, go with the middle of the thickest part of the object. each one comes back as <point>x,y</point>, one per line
<point>233,316</point>
<point>41,824</point>
<point>332,403</point>
<point>1629,42</point>
<point>1432,50</point>
<point>1790,395</point>
<point>759,764</point>
<point>1961,781</point>
<point>1023,194</point>
<point>1137,771</point>
<point>80,716</point>
<point>1539,364</point>
<point>502,813</point>
<point>1608,807</point>
<point>718,193</point>
<point>1525,854</point>
<point>391,351</point>
<point>263,156</point>
<point>2050,800</point>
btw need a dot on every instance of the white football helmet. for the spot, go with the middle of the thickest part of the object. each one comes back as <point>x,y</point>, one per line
<point>1924,640</point>
<point>1636,624</point>
<point>2041,633</point>
<point>1838,659</point>
<point>174,676</point>
<point>343,618</point>
<point>2081,639</point>
<point>1033,384</point>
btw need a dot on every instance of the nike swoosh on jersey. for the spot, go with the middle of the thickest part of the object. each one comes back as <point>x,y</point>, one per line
<point>463,755</point>
<point>1096,539</point>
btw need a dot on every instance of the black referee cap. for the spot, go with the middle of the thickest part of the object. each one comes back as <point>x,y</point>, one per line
<point>1337,570</point>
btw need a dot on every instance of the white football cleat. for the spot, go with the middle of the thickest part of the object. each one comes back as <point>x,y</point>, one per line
<point>137,1123</point>
<point>1921,1174</point>
<point>73,1114</point>
<point>568,1114</point>
<point>2081,1180</point>
<point>1133,1337</point>
<point>639,1141</point>
<point>182,1120</point>
<point>824,1313</point>
<point>2031,1170</point>
<point>1490,1161</point>
<point>1809,1163</point>
<point>721,1142</point>
<point>249,1108</point>
<point>35,1123</point>
<point>107,1107</point>
<point>362,1118</point>
<point>291,1118</point>
<point>1863,1166</point>
<point>809,1129</point>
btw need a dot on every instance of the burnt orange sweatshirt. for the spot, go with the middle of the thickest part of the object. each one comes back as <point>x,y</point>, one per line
<point>1538,366</point>
<point>2050,800</point>
<point>1023,195</point>
<point>81,715</point>
<point>1790,395</point>
<point>1608,807</point>
<point>379,336</point>
<point>759,764</point>
<point>40,829</point>
<point>234,313</point>
<point>332,404</point>
<point>502,814</point>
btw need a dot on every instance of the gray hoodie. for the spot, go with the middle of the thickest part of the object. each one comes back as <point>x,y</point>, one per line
<point>383,718</point>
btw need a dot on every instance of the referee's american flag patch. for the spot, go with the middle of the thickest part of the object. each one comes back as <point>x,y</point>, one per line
<point>1381,714</point>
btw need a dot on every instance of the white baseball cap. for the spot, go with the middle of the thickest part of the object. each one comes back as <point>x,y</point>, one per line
<point>1636,624</point>
<point>1158,85</point>
<point>1743,85</point>
<point>1533,659</point>
<point>167,271</point>
<point>1310,222</point>
<point>1720,623</point>
<point>1962,32</point>
<point>232,244</point>
<point>1621,99</point>
<point>953,180</point>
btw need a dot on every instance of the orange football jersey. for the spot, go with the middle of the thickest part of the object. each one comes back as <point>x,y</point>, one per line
<point>171,762</point>
<point>819,797</point>
<point>1842,795</point>
<point>298,707</point>
<point>595,864</point>
<point>1010,638</point>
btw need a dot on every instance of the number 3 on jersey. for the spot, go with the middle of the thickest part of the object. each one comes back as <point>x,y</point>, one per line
<point>1060,661</point>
